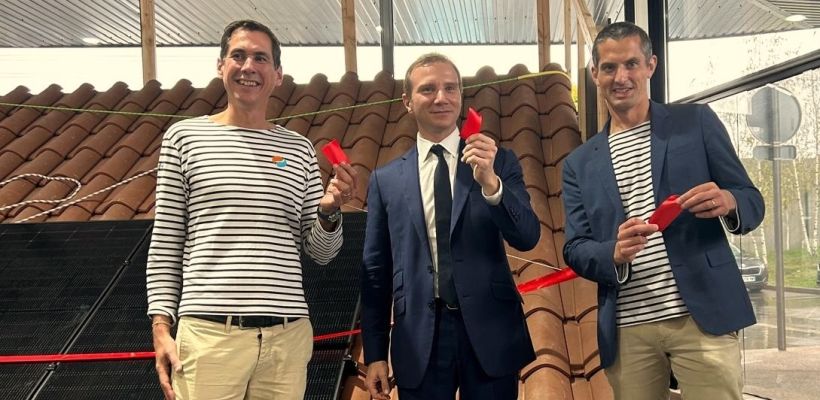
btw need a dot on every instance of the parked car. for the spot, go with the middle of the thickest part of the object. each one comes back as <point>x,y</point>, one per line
<point>752,269</point>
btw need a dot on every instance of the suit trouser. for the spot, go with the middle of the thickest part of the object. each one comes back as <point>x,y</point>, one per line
<point>706,366</point>
<point>220,361</point>
<point>453,366</point>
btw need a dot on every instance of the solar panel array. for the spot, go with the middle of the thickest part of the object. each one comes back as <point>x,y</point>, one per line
<point>80,288</point>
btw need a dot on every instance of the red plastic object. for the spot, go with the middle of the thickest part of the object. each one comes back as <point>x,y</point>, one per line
<point>554,278</point>
<point>334,153</point>
<point>665,213</point>
<point>472,124</point>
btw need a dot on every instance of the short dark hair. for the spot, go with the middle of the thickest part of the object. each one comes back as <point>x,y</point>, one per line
<point>427,59</point>
<point>252,26</point>
<point>618,31</point>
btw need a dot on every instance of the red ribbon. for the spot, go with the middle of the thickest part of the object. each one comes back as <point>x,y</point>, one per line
<point>472,124</point>
<point>665,213</point>
<point>554,278</point>
<point>334,153</point>
<point>562,275</point>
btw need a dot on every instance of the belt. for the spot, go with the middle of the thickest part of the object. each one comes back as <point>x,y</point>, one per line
<point>247,321</point>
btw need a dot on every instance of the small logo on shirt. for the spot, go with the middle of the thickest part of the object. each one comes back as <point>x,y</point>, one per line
<point>279,161</point>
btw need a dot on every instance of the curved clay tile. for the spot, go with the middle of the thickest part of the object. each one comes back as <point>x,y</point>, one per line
<point>523,139</point>
<point>117,165</point>
<point>521,96</point>
<point>130,195</point>
<point>285,91</point>
<point>382,87</point>
<point>175,97</point>
<point>18,95</point>
<point>405,128</point>
<point>9,161</point>
<point>135,102</point>
<point>138,140</point>
<point>109,99</point>
<point>546,382</point>
<point>395,150</point>
<point>78,165</point>
<point>209,94</point>
<point>102,140</point>
<point>78,98</point>
<point>30,141</point>
<point>64,142</point>
<point>334,126</point>
<point>116,212</point>
<point>99,182</point>
<point>149,202</point>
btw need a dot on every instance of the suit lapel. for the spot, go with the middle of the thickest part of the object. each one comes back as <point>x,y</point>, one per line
<point>602,162</point>
<point>658,141</point>
<point>412,196</point>
<point>461,191</point>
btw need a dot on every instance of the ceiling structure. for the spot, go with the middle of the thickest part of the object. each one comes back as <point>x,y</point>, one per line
<point>51,23</point>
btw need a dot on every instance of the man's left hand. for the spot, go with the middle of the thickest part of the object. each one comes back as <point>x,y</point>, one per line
<point>708,201</point>
<point>340,189</point>
<point>480,153</point>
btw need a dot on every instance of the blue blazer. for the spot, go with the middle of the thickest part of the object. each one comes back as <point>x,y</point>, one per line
<point>397,268</point>
<point>690,146</point>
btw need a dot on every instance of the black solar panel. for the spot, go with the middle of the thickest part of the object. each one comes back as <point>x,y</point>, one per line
<point>52,277</point>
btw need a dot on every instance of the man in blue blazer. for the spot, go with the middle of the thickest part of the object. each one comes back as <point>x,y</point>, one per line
<point>665,300</point>
<point>437,219</point>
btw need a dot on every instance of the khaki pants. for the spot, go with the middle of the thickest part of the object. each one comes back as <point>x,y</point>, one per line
<point>707,367</point>
<point>224,362</point>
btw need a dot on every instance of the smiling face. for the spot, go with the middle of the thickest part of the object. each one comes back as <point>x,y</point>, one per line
<point>434,98</point>
<point>622,73</point>
<point>248,71</point>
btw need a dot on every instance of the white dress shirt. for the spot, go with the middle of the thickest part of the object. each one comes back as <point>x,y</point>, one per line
<point>427,170</point>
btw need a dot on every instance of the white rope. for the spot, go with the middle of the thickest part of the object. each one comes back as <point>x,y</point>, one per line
<point>46,212</point>
<point>77,186</point>
<point>534,262</point>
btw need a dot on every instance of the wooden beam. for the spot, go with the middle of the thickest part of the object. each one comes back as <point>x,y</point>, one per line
<point>586,24</point>
<point>568,35</point>
<point>148,37</point>
<point>542,10</point>
<point>349,34</point>
<point>581,88</point>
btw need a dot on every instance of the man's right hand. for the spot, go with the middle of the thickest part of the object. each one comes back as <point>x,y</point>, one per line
<point>377,382</point>
<point>632,239</point>
<point>166,355</point>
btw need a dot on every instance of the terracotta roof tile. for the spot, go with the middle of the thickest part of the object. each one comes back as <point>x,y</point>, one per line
<point>134,102</point>
<point>77,165</point>
<point>139,140</point>
<point>64,142</point>
<point>9,161</point>
<point>28,143</point>
<point>18,95</point>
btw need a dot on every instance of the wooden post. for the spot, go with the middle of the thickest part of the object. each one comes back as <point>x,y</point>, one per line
<point>581,89</point>
<point>148,37</point>
<point>542,9</point>
<point>568,35</point>
<point>349,34</point>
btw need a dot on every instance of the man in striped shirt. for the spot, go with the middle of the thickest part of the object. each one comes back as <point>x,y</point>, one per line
<point>673,299</point>
<point>238,198</point>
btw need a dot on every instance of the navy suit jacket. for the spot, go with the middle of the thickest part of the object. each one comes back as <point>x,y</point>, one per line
<point>689,146</point>
<point>397,268</point>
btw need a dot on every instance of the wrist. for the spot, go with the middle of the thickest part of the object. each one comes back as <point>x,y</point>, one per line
<point>329,216</point>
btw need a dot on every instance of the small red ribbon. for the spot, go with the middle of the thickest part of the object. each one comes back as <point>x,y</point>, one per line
<point>472,124</point>
<point>334,153</point>
<point>554,278</point>
<point>665,213</point>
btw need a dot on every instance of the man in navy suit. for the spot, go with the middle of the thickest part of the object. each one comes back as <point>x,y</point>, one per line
<point>665,300</point>
<point>434,249</point>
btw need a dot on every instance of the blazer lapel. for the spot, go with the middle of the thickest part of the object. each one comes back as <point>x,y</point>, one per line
<point>658,143</point>
<point>412,196</point>
<point>602,162</point>
<point>461,191</point>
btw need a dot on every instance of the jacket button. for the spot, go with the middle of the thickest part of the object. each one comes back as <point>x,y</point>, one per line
<point>432,304</point>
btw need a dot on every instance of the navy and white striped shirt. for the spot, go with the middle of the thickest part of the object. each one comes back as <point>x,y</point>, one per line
<point>234,209</point>
<point>651,294</point>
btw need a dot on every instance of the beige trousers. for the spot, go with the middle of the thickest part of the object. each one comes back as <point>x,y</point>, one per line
<point>223,362</point>
<point>707,367</point>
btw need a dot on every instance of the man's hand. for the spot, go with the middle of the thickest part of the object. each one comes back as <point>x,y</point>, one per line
<point>480,153</point>
<point>340,188</point>
<point>632,239</point>
<point>376,381</point>
<point>166,355</point>
<point>708,201</point>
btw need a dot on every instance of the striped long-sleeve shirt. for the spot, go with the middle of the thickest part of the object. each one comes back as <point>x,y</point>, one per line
<point>652,294</point>
<point>234,209</point>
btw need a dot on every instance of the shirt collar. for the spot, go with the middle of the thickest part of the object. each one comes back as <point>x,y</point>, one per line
<point>450,143</point>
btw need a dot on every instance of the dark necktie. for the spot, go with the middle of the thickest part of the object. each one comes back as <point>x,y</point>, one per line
<point>444,207</point>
